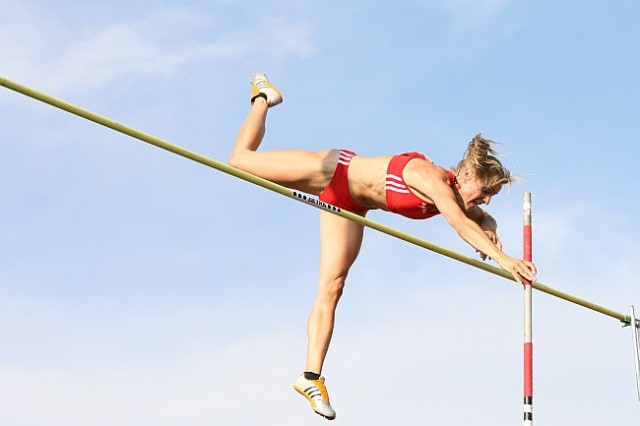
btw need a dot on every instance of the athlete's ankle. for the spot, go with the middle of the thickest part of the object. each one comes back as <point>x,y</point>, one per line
<point>260,99</point>
<point>311,376</point>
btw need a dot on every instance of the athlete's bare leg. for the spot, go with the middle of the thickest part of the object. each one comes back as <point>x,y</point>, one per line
<point>307,171</point>
<point>340,241</point>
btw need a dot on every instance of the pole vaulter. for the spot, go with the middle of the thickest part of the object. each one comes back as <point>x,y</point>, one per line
<point>626,320</point>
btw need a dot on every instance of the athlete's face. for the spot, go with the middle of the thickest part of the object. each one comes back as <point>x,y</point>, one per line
<point>475,192</point>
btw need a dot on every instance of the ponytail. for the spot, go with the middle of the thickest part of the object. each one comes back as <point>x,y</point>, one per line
<point>481,158</point>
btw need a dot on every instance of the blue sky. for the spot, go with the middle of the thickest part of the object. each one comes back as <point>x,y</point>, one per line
<point>140,288</point>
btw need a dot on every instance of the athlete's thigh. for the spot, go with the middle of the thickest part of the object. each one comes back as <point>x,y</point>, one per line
<point>309,171</point>
<point>340,241</point>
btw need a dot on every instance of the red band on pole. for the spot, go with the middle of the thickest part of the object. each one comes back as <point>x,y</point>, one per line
<point>528,367</point>
<point>527,243</point>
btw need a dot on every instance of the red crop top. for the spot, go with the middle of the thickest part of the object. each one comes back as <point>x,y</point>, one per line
<point>400,199</point>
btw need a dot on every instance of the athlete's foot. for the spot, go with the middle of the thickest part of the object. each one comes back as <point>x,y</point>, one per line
<point>316,393</point>
<point>260,86</point>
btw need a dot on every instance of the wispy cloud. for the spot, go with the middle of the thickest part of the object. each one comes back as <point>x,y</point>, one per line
<point>32,48</point>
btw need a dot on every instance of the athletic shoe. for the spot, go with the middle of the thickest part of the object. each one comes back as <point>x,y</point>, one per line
<point>316,393</point>
<point>260,86</point>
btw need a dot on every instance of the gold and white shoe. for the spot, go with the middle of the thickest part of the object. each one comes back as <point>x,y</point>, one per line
<point>316,393</point>
<point>260,86</point>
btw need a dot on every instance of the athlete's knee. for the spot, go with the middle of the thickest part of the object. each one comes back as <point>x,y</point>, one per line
<point>331,290</point>
<point>240,159</point>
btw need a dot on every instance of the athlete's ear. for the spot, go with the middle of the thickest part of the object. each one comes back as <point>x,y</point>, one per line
<point>466,175</point>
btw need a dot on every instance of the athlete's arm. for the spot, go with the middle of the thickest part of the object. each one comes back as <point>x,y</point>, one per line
<point>434,183</point>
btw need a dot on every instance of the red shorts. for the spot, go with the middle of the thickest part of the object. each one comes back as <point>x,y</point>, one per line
<point>337,193</point>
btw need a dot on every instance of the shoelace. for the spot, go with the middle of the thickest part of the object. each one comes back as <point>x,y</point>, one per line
<point>261,84</point>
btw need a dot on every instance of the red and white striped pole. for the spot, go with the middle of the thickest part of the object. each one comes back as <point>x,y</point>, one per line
<point>528,335</point>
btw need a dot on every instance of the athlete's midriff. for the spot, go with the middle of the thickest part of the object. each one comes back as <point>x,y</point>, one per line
<point>399,197</point>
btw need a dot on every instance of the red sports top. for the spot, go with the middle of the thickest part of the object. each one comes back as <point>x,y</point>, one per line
<point>400,199</point>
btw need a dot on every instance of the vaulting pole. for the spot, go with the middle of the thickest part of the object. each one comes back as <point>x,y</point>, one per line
<point>297,195</point>
<point>528,320</point>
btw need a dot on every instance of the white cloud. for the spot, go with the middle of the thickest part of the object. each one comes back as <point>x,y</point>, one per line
<point>37,48</point>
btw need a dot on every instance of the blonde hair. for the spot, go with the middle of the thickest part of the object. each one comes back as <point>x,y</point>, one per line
<point>481,159</point>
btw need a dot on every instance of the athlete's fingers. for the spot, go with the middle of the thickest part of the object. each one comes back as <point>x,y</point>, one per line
<point>517,277</point>
<point>526,270</point>
<point>494,239</point>
<point>482,255</point>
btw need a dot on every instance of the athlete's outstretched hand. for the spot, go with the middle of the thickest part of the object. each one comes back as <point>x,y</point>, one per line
<point>520,269</point>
